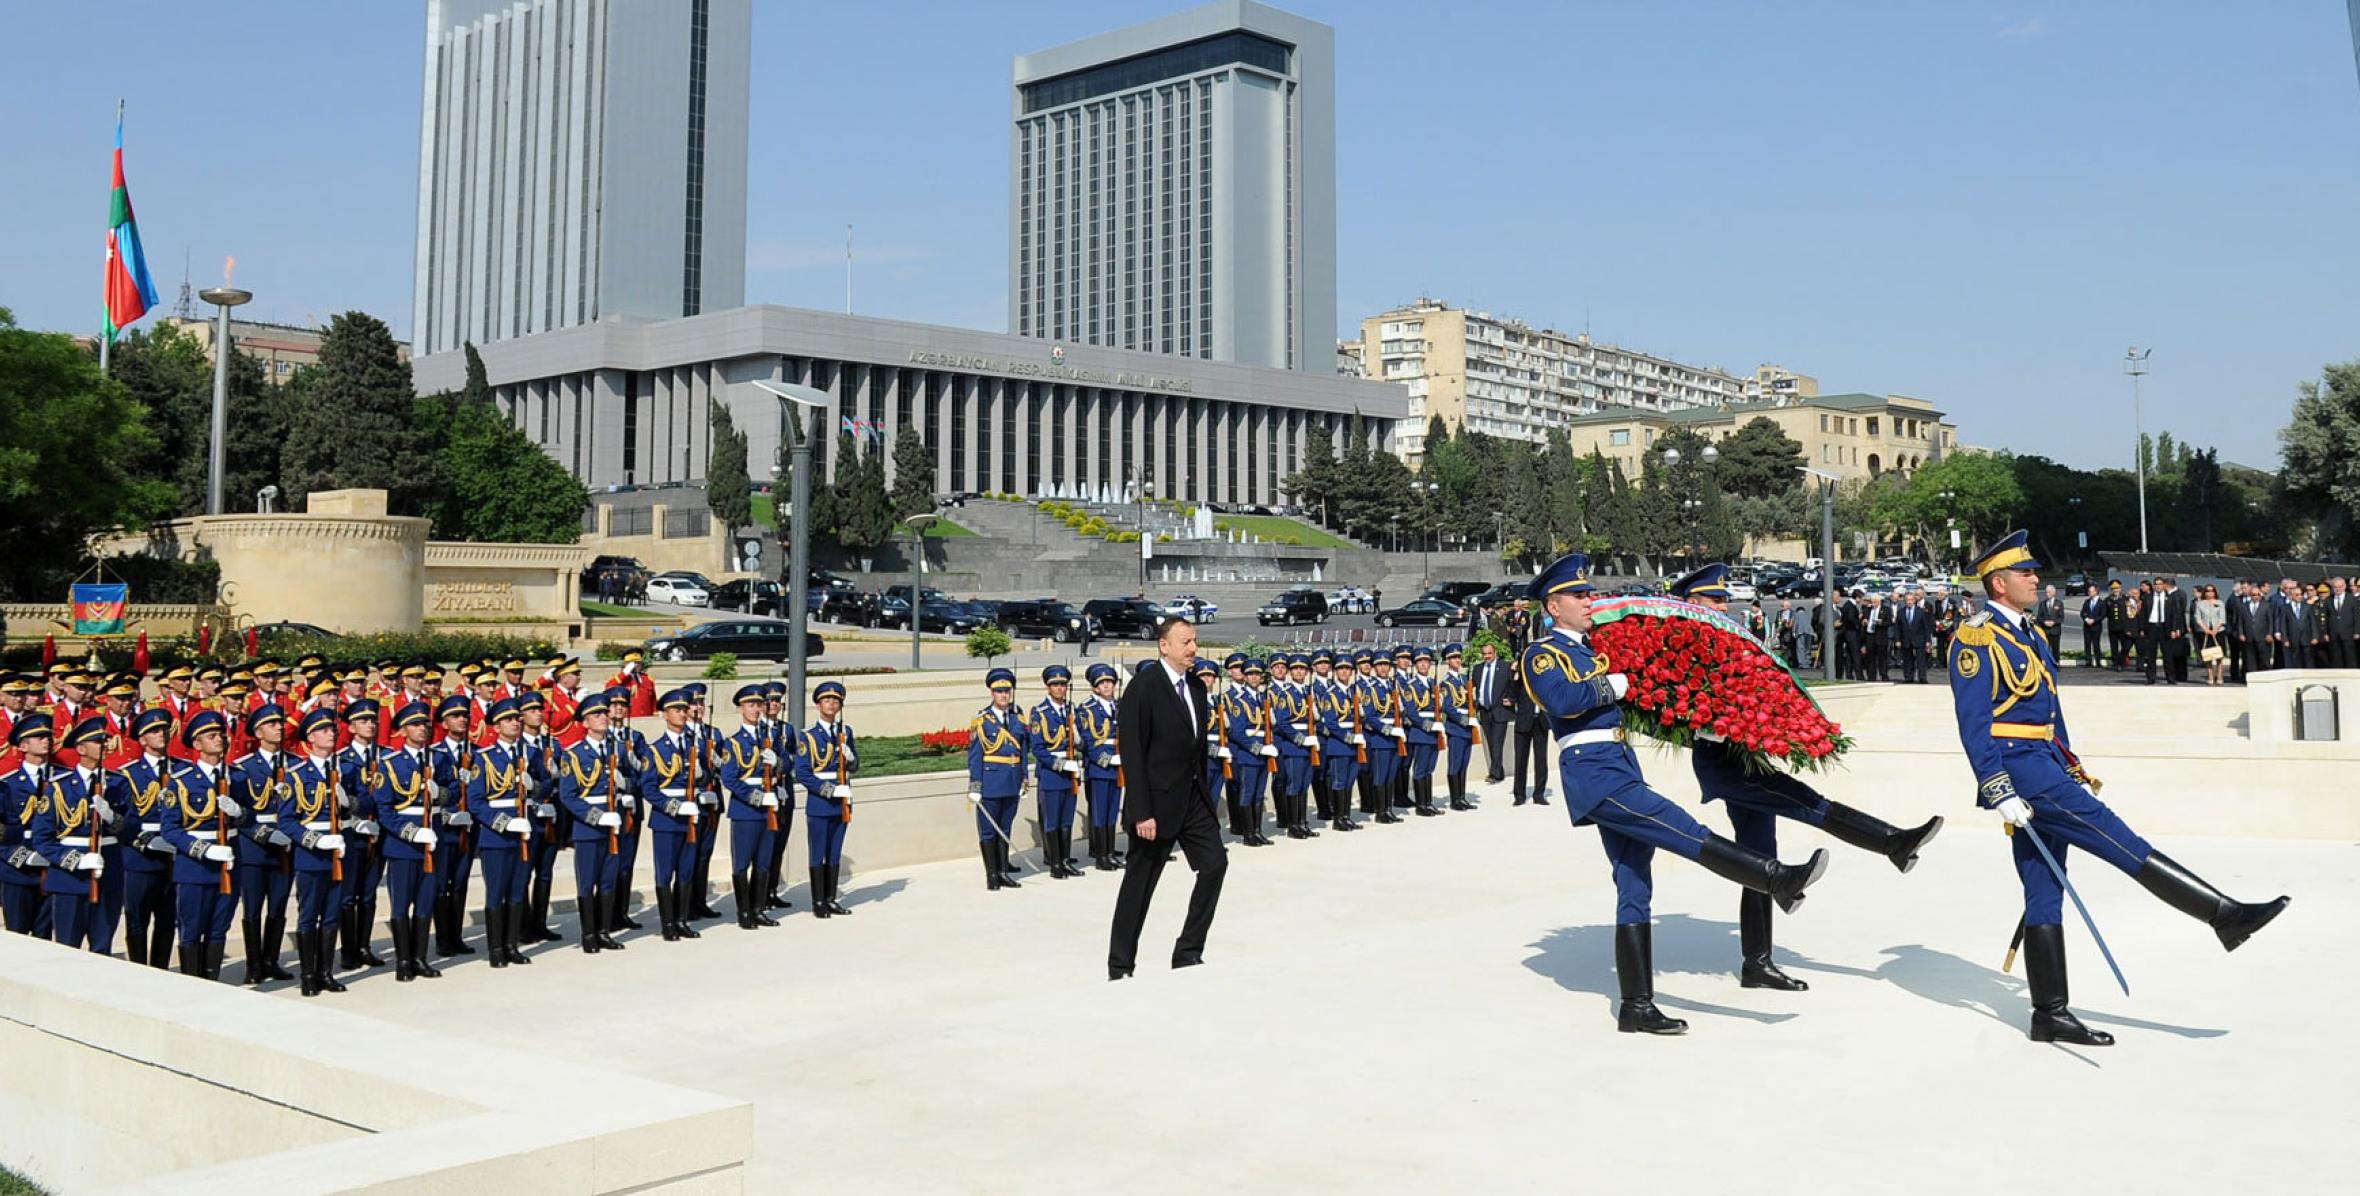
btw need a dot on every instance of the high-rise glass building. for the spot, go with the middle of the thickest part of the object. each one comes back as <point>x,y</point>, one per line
<point>1173,189</point>
<point>579,159</point>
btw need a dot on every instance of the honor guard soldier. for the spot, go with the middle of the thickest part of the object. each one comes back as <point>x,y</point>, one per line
<point>825,763</point>
<point>266,870</point>
<point>636,684</point>
<point>551,833</point>
<point>752,773</point>
<point>2003,685</point>
<point>632,747</point>
<point>1057,768</point>
<point>407,799</point>
<point>1247,734</point>
<point>997,744</point>
<point>1342,742</point>
<point>595,788</point>
<point>698,883</point>
<point>1295,728</point>
<point>1421,714</point>
<point>1455,699</point>
<point>675,778</point>
<point>782,738</point>
<point>69,825</point>
<point>1580,691</point>
<point>1389,750</point>
<point>1406,716</point>
<point>1756,800</point>
<point>565,697</point>
<point>500,799</point>
<point>314,819</point>
<point>199,821</point>
<point>1102,757</point>
<point>147,864</point>
<point>358,771</point>
<point>1218,770</point>
<point>454,759</point>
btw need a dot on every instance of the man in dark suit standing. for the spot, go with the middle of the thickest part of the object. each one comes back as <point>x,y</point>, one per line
<point>2049,612</point>
<point>1162,719</point>
<point>1488,690</point>
<point>2093,627</point>
<point>1849,621</point>
<point>1913,630</point>
<point>1533,735</point>
<point>2342,611</point>
<point>2119,632</point>
<point>2176,626</point>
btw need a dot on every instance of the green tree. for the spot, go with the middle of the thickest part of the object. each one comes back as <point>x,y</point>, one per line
<point>863,510</point>
<point>2320,452</point>
<point>502,487</point>
<point>1314,487</point>
<point>729,493</point>
<point>259,416</point>
<point>826,515</point>
<point>2202,490</point>
<point>1760,460</point>
<point>1983,500</point>
<point>67,439</point>
<point>988,642</point>
<point>2167,460</point>
<point>358,427</point>
<point>1563,483</point>
<point>913,474</point>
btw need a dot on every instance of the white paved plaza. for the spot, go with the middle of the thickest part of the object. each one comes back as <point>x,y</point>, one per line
<point>1427,1007</point>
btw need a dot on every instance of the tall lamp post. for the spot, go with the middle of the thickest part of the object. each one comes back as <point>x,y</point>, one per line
<point>1827,568</point>
<point>1949,521</point>
<point>1145,491</point>
<point>794,401</point>
<point>1426,493</point>
<point>223,299</point>
<point>2134,363</point>
<point>1693,506</point>
<point>2081,535</point>
<point>918,525</point>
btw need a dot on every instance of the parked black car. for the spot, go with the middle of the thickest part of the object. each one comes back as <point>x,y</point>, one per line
<point>1503,594</point>
<point>1039,617</point>
<point>1425,612</point>
<point>1124,618</point>
<point>748,639</point>
<point>1292,607</point>
<point>850,607</point>
<point>941,614</point>
<point>752,597</point>
<point>1456,592</point>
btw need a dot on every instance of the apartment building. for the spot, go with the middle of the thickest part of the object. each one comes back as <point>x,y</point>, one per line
<point>1853,436</point>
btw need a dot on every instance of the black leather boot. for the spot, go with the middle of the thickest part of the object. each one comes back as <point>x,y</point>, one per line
<point>519,931</point>
<point>759,883</point>
<point>588,906</point>
<point>1753,936</point>
<point>419,930</point>
<point>323,962</point>
<point>739,892</point>
<point>1783,882</point>
<point>495,934</point>
<point>699,889</point>
<point>1000,854</point>
<point>684,906</point>
<point>368,924</point>
<point>1634,968</point>
<point>274,941</point>
<point>160,943</point>
<point>192,958</point>
<point>618,913</point>
<point>2232,921</point>
<point>821,906</point>
<point>1866,831</point>
<point>405,966</point>
<point>1425,786</point>
<point>836,904</point>
<point>991,865</point>
<point>306,966</point>
<point>2044,970</point>
<point>348,937</point>
<point>250,930</point>
<point>214,950</point>
<point>1458,793</point>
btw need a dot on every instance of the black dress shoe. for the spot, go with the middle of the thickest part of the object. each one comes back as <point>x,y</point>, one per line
<point>1113,974</point>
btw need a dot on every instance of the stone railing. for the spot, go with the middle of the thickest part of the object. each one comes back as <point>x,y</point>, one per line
<point>161,620</point>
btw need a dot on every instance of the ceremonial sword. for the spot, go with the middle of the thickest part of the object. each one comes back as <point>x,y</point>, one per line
<point>2084,910</point>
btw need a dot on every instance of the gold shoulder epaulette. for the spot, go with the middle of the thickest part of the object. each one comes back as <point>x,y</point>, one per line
<point>1977,631</point>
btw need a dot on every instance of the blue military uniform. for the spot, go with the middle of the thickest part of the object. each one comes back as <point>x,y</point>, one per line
<point>197,822</point>
<point>783,739</point>
<point>1461,723</point>
<point>826,760</point>
<point>147,861</point>
<point>553,831</point>
<point>1343,743</point>
<point>72,823</point>
<point>752,772</point>
<point>997,744</point>
<point>1421,716</point>
<point>357,771</point>
<point>679,769</point>
<point>697,885</point>
<point>1388,746</point>
<point>500,801</point>
<point>1056,749</point>
<point>595,781</point>
<point>1294,729</point>
<point>1246,719</point>
<point>1102,750</point>
<point>2004,691</point>
<point>406,803</point>
<point>1578,690</point>
<point>456,762</point>
<point>266,870</point>
<point>1217,763</point>
<point>313,817</point>
<point>21,904</point>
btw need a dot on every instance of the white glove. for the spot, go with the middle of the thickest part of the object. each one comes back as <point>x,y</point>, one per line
<point>974,797</point>
<point>2015,810</point>
<point>526,781</point>
<point>366,827</point>
<point>334,843</point>
<point>1115,760</point>
<point>840,792</point>
<point>848,756</point>
<point>770,757</point>
<point>229,807</point>
<point>766,799</point>
<point>460,818</point>
<point>1221,752</point>
<point>1304,740</point>
<point>215,853</point>
<point>606,819</point>
<point>433,791</point>
<point>1072,766</point>
<point>545,811</point>
<point>1269,750</point>
<point>1619,683</point>
<point>106,812</point>
<point>276,838</point>
<point>681,809</point>
<point>423,836</point>
<point>711,801</point>
<point>514,824</point>
<point>1359,740</point>
<point>627,801</point>
<point>91,862</point>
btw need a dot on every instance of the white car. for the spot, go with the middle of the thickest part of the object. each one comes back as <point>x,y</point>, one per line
<point>677,591</point>
<point>1193,609</point>
<point>1742,591</point>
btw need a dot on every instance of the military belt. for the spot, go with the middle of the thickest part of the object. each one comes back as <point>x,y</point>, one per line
<point>999,759</point>
<point>2022,731</point>
<point>1599,735</point>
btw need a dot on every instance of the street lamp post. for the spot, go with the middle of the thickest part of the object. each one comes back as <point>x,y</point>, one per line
<point>1146,538</point>
<point>1394,522</point>
<point>1949,520</point>
<point>918,525</point>
<point>794,400</point>
<point>2081,535</point>
<point>1694,505</point>
<point>223,299</point>
<point>2134,363</point>
<point>1427,491</point>
<point>1827,568</point>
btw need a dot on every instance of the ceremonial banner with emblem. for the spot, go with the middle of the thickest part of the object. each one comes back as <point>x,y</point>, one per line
<point>99,607</point>
<point>1695,670</point>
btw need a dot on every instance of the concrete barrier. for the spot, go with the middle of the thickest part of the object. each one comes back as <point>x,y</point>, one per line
<point>134,1080</point>
<point>2270,711</point>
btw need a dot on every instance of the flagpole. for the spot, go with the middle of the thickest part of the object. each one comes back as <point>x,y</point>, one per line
<point>106,330</point>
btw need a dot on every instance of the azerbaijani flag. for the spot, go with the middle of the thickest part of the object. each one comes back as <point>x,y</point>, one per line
<point>129,292</point>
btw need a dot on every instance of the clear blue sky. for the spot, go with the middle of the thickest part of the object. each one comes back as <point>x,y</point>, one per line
<point>1980,204</point>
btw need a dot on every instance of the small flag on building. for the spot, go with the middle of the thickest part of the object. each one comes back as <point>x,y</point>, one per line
<point>129,292</point>
<point>99,607</point>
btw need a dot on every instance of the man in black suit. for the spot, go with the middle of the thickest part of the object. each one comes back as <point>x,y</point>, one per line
<point>1877,639</point>
<point>1488,689</point>
<point>2177,626</point>
<point>1533,735</point>
<point>2049,613</point>
<point>2093,627</point>
<point>1848,635</point>
<point>1162,718</point>
<point>2342,611</point>
<point>1913,630</point>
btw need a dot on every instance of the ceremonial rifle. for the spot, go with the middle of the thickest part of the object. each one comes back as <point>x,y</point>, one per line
<point>91,807</point>
<point>335,823</point>
<point>769,786</point>
<point>843,735</point>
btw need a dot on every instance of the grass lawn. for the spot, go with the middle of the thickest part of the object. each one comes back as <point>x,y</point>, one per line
<point>605,611</point>
<point>897,755</point>
<point>944,529</point>
<point>765,508</point>
<point>1268,526</point>
<point>12,1184</point>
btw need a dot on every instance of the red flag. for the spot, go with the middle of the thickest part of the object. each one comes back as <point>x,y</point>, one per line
<point>205,640</point>
<point>253,644</point>
<point>139,656</point>
<point>48,651</point>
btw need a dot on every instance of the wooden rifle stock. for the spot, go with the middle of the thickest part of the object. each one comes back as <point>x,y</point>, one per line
<point>695,749</point>
<point>770,786</point>
<point>91,806</point>
<point>1359,730</point>
<point>844,734</point>
<point>335,822</point>
<point>221,836</point>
